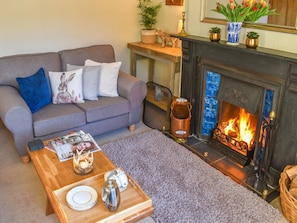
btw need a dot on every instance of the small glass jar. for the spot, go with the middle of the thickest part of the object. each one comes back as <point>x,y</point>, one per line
<point>83,162</point>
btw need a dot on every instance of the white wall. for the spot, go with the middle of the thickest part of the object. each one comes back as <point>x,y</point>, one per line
<point>38,26</point>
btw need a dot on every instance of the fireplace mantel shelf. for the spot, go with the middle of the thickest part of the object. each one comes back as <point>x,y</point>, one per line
<point>241,47</point>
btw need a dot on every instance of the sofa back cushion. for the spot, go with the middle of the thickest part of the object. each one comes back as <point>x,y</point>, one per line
<point>100,53</point>
<point>25,65</point>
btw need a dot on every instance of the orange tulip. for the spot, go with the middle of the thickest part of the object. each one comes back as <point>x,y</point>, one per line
<point>263,3</point>
<point>232,6</point>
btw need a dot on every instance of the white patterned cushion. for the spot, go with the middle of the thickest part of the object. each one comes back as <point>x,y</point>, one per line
<point>66,86</point>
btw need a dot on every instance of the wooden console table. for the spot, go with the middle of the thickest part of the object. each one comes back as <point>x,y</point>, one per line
<point>153,52</point>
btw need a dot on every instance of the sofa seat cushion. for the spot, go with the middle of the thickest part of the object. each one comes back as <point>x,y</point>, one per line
<point>105,107</point>
<point>54,118</point>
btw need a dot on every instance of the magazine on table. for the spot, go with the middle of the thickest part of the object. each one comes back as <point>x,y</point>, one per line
<point>72,142</point>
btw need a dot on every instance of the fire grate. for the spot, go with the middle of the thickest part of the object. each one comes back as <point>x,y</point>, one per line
<point>239,146</point>
<point>231,154</point>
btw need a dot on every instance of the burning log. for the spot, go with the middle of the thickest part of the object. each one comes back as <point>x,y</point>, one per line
<point>239,146</point>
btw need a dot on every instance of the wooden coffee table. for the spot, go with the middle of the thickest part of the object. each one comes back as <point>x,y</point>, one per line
<point>58,178</point>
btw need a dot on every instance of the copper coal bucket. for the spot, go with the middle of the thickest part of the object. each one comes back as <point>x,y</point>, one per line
<point>180,119</point>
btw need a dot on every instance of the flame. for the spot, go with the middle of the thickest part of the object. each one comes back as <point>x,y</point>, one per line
<point>240,128</point>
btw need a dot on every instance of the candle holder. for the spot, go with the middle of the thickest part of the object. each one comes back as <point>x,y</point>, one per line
<point>83,162</point>
<point>183,32</point>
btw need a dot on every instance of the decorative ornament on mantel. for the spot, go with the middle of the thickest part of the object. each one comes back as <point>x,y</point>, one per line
<point>183,32</point>
<point>215,34</point>
<point>235,13</point>
<point>233,32</point>
<point>252,40</point>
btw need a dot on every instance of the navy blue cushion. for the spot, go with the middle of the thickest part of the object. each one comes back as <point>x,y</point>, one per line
<point>35,90</point>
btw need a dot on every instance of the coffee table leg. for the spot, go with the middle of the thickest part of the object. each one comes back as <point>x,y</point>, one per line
<point>49,209</point>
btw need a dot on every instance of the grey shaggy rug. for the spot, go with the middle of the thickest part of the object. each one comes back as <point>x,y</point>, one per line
<point>183,188</point>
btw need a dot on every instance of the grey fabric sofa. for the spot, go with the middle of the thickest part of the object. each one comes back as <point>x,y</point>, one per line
<point>94,117</point>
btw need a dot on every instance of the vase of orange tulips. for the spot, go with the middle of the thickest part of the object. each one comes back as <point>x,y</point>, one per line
<point>235,13</point>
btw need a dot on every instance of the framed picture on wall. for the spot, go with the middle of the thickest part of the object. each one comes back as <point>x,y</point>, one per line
<point>174,2</point>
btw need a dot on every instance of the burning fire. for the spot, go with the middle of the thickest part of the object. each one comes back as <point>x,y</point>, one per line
<point>240,128</point>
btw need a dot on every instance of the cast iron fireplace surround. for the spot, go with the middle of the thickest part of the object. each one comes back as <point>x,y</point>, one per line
<point>262,68</point>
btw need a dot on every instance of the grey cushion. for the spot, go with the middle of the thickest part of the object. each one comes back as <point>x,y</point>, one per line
<point>90,80</point>
<point>105,107</point>
<point>54,118</point>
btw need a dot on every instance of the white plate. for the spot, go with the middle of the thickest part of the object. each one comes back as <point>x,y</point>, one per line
<point>81,198</point>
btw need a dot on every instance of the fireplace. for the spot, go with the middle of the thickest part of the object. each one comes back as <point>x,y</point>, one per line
<point>226,83</point>
<point>241,108</point>
<point>236,130</point>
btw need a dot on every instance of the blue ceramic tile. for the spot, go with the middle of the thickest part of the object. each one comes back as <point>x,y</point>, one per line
<point>268,103</point>
<point>210,103</point>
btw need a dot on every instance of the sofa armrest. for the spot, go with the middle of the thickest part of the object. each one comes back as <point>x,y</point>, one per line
<point>135,91</point>
<point>16,116</point>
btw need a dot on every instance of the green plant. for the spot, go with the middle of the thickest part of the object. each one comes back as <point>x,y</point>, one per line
<point>252,35</point>
<point>148,13</point>
<point>215,30</point>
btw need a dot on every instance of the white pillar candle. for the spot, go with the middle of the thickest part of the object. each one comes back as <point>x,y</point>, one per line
<point>179,26</point>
